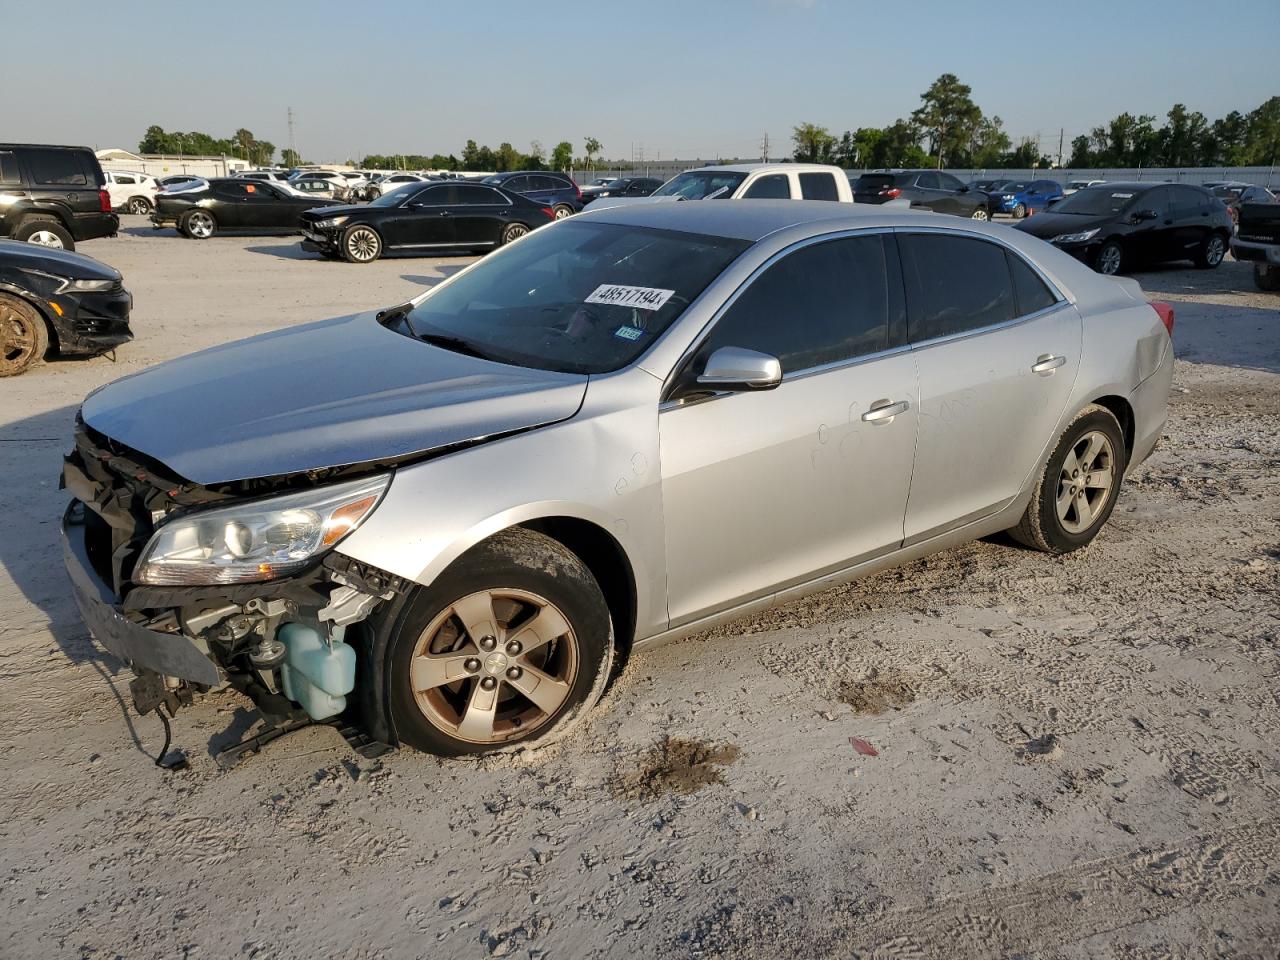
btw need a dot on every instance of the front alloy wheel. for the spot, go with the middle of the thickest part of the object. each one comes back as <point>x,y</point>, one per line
<point>513,643</point>
<point>362,245</point>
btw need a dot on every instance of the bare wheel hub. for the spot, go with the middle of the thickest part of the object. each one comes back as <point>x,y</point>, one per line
<point>495,665</point>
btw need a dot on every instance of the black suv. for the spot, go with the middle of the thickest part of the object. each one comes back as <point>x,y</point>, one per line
<point>926,189</point>
<point>548,188</point>
<point>53,196</point>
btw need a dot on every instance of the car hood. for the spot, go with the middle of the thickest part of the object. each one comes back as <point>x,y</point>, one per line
<point>327,394</point>
<point>334,208</point>
<point>62,263</point>
<point>1049,225</point>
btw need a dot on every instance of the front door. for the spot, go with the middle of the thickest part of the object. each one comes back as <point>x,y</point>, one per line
<point>424,219</point>
<point>997,351</point>
<point>764,490</point>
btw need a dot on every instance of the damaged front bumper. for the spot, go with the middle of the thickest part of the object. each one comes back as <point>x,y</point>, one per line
<point>167,653</point>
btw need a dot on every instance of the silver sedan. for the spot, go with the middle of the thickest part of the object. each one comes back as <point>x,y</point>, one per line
<point>449,519</point>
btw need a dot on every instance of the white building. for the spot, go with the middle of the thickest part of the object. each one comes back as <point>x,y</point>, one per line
<point>161,165</point>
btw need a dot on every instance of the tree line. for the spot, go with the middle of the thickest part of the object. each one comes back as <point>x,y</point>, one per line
<point>241,144</point>
<point>949,129</point>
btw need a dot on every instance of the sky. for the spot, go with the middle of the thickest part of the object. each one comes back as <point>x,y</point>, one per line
<point>696,79</point>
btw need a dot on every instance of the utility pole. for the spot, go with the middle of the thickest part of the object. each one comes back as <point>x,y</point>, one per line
<point>292,149</point>
<point>1061,132</point>
<point>764,148</point>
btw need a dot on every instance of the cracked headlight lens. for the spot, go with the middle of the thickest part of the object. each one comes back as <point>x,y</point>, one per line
<point>257,541</point>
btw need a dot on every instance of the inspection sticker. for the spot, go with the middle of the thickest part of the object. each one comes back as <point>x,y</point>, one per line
<point>629,333</point>
<point>643,298</point>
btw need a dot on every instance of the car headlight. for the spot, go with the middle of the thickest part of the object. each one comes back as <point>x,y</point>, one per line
<point>85,286</point>
<point>330,223</point>
<point>262,540</point>
<point>1080,237</point>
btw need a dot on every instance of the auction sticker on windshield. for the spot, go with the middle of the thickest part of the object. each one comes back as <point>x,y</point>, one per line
<point>617,295</point>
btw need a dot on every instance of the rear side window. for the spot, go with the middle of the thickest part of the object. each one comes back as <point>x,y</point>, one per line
<point>56,168</point>
<point>9,169</point>
<point>818,186</point>
<point>954,285</point>
<point>1187,202</point>
<point>1031,293</point>
<point>822,304</point>
<point>772,187</point>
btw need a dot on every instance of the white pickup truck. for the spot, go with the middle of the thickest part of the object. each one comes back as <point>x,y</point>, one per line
<point>748,181</point>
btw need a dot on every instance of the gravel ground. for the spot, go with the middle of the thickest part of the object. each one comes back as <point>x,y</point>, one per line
<point>986,753</point>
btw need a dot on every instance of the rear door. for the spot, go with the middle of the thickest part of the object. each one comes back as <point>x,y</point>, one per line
<point>997,352</point>
<point>478,214</point>
<point>767,489</point>
<point>1189,211</point>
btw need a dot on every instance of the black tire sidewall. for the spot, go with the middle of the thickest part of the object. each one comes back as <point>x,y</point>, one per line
<point>185,228</point>
<point>345,249</point>
<point>579,599</point>
<point>1202,255</point>
<point>30,226</point>
<point>1058,538</point>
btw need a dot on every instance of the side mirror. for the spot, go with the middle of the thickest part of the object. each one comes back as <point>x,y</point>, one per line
<point>1142,215</point>
<point>963,189</point>
<point>738,369</point>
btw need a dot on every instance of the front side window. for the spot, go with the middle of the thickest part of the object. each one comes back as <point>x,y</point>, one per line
<point>954,285</point>
<point>581,298</point>
<point>702,185</point>
<point>818,186</point>
<point>56,168</point>
<point>772,187</point>
<point>824,303</point>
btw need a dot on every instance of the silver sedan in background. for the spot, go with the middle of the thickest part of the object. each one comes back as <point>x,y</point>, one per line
<point>450,518</point>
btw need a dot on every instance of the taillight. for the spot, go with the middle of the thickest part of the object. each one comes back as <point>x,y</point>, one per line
<point>551,214</point>
<point>1165,310</point>
<point>104,201</point>
<point>577,191</point>
<point>891,192</point>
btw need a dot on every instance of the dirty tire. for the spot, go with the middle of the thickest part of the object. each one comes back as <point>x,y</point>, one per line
<point>197,225</point>
<point>1266,277</point>
<point>24,339</point>
<point>1211,251</point>
<point>1041,527</point>
<point>45,232</point>
<point>361,244</point>
<point>515,561</point>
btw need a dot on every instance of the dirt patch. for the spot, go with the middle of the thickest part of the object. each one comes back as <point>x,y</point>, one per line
<point>877,692</point>
<point>674,765</point>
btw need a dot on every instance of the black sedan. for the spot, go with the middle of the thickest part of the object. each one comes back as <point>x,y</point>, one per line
<point>622,187</point>
<point>57,298</point>
<point>203,208</point>
<point>434,218</point>
<point>1114,226</point>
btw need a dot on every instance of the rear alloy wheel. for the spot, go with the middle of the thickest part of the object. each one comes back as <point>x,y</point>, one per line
<point>23,337</point>
<point>1109,258</point>
<point>1078,487</point>
<point>45,233</point>
<point>512,644</point>
<point>1211,252</point>
<point>198,224</point>
<point>361,245</point>
<point>563,213</point>
<point>980,214</point>
<point>1019,211</point>
<point>139,206</point>
<point>513,232</point>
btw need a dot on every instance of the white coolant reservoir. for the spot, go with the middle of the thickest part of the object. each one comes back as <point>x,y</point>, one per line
<point>314,674</point>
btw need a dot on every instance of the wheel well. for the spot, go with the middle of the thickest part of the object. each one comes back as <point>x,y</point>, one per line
<point>1120,408</point>
<point>604,557</point>
<point>42,214</point>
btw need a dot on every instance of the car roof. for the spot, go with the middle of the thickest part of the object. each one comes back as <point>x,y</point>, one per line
<point>752,167</point>
<point>754,219</point>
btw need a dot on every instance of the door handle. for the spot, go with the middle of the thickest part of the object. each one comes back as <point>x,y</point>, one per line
<point>1046,363</point>
<point>883,411</point>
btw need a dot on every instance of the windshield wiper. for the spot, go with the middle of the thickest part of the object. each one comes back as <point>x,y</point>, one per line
<point>456,344</point>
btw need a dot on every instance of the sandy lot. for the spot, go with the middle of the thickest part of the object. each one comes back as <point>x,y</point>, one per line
<point>1077,757</point>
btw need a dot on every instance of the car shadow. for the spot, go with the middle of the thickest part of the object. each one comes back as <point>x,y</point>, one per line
<point>31,553</point>
<point>446,270</point>
<point>292,251</point>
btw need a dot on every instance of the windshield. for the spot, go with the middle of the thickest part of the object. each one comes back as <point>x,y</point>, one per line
<point>394,195</point>
<point>1012,186</point>
<point>701,184</point>
<point>575,298</point>
<point>1228,193</point>
<point>1095,201</point>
